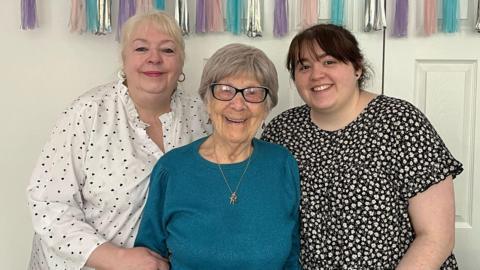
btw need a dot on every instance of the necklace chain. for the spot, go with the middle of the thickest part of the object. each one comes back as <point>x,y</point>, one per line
<point>233,193</point>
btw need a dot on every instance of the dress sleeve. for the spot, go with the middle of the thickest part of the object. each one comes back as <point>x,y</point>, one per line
<point>293,261</point>
<point>54,193</point>
<point>152,232</point>
<point>423,159</point>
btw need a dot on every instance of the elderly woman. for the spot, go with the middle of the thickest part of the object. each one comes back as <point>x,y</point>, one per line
<point>227,201</point>
<point>377,189</point>
<point>87,192</point>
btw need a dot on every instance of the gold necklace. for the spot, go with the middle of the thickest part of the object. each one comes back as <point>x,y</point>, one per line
<point>233,193</point>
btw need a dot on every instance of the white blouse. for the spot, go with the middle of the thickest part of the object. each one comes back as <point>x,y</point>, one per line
<point>91,180</point>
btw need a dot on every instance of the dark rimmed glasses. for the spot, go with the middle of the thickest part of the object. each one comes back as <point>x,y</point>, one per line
<point>225,92</point>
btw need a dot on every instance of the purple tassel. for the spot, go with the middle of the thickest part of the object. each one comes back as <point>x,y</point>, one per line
<point>126,9</point>
<point>201,20</point>
<point>400,27</point>
<point>280,24</point>
<point>29,14</point>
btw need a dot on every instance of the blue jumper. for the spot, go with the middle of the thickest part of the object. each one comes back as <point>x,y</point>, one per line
<point>188,216</point>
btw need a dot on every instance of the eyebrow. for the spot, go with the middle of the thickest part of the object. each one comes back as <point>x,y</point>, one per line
<point>146,41</point>
<point>317,58</point>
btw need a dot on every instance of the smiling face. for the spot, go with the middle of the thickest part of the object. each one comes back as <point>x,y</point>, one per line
<point>326,84</point>
<point>151,61</point>
<point>236,121</point>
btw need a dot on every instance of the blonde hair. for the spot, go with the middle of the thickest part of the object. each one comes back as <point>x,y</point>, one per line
<point>162,21</point>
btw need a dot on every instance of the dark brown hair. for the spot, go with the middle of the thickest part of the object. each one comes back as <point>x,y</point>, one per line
<point>335,41</point>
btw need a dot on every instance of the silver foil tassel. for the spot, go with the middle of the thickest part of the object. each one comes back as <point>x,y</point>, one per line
<point>369,15</point>
<point>254,18</point>
<point>380,20</point>
<point>104,17</point>
<point>181,15</point>
<point>477,25</point>
<point>375,19</point>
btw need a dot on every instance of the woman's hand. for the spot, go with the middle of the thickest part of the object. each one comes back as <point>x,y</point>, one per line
<point>110,257</point>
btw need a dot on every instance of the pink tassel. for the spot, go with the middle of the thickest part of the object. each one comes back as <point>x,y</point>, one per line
<point>29,14</point>
<point>144,6</point>
<point>78,17</point>
<point>214,11</point>
<point>430,17</point>
<point>308,13</point>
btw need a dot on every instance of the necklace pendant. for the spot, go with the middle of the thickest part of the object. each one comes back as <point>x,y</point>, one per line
<point>233,198</point>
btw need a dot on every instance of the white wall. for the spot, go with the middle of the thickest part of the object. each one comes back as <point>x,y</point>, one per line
<point>41,71</point>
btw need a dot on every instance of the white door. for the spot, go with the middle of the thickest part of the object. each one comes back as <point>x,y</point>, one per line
<point>440,75</point>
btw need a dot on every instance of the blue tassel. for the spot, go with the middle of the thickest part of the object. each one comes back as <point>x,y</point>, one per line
<point>234,16</point>
<point>92,16</point>
<point>450,19</point>
<point>336,15</point>
<point>159,4</point>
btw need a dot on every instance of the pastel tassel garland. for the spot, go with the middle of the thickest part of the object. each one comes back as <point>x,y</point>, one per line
<point>214,11</point>
<point>234,16</point>
<point>201,18</point>
<point>92,16</point>
<point>254,18</point>
<point>450,19</point>
<point>144,6</point>
<point>308,13</point>
<point>280,24</point>
<point>126,9</point>
<point>400,25</point>
<point>430,17</point>
<point>477,25</point>
<point>181,16</point>
<point>104,17</point>
<point>159,4</point>
<point>337,9</point>
<point>29,14</point>
<point>77,21</point>
<point>375,19</point>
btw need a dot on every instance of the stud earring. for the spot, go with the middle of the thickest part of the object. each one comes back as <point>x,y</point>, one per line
<point>263,125</point>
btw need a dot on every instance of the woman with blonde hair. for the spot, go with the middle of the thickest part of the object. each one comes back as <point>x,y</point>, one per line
<point>88,189</point>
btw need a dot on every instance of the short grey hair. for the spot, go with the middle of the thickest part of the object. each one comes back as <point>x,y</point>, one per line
<point>237,59</point>
<point>162,21</point>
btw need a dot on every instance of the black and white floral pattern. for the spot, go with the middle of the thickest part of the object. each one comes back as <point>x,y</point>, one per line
<point>356,182</point>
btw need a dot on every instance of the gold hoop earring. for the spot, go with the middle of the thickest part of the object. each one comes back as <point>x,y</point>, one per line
<point>181,78</point>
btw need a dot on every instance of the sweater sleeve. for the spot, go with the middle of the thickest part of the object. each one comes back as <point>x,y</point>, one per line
<point>293,261</point>
<point>152,232</point>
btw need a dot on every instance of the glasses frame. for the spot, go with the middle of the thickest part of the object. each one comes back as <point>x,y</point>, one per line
<point>239,90</point>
